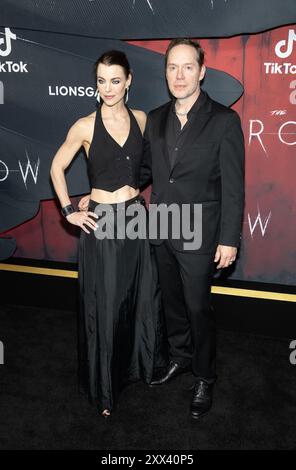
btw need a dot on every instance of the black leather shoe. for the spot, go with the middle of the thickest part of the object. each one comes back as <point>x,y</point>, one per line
<point>172,371</point>
<point>202,399</point>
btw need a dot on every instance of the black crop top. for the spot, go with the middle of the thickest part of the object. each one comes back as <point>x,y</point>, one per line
<point>111,166</point>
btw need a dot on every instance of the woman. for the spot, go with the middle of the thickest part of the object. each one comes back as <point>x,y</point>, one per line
<point>120,330</point>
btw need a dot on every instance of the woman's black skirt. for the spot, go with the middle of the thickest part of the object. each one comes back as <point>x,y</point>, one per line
<point>121,336</point>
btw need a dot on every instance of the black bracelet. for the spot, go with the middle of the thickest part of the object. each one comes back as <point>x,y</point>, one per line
<point>67,210</point>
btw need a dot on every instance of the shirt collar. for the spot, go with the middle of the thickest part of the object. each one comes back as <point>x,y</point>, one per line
<point>196,105</point>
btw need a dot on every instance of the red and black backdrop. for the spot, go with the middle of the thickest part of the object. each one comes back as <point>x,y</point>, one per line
<point>47,51</point>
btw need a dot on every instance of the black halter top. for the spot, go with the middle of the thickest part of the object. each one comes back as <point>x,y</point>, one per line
<point>111,166</point>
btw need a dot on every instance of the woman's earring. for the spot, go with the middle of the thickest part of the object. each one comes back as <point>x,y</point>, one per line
<point>126,97</point>
<point>98,97</point>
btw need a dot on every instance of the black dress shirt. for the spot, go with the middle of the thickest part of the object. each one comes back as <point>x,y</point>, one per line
<point>175,135</point>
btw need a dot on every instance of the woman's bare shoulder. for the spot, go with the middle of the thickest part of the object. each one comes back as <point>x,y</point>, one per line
<point>140,117</point>
<point>87,120</point>
<point>83,128</point>
<point>85,123</point>
<point>138,113</point>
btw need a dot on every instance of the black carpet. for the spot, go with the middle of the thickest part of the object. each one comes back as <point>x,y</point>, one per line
<point>40,407</point>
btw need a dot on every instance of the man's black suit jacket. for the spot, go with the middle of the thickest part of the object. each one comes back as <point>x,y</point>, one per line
<point>209,170</point>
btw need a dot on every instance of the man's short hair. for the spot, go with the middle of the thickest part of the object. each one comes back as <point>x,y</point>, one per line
<point>186,42</point>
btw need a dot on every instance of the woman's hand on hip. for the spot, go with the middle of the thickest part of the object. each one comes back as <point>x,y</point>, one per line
<point>83,218</point>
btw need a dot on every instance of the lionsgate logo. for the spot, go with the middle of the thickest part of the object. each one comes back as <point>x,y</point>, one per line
<point>162,221</point>
<point>65,90</point>
<point>5,50</point>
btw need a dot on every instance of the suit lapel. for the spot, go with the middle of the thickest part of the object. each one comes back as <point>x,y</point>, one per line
<point>162,131</point>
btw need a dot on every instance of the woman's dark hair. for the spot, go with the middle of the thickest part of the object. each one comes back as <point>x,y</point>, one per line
<point>187,42</point>
<point>113,58</point>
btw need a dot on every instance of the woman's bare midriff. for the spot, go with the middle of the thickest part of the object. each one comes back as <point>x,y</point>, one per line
<point>120,195</point>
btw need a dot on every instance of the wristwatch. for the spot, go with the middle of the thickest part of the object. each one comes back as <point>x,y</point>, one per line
<point>67,210</point>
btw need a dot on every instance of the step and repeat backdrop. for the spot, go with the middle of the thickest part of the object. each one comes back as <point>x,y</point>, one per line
<point>47,52</point>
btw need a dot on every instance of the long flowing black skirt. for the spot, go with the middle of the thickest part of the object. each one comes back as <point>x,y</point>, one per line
<point>121,335</point>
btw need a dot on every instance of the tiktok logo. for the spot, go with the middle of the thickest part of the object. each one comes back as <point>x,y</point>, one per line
<point>9,35</point>
<point>288,44</point>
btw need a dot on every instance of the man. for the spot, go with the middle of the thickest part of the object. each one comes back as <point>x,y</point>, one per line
<point>194,155</point>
